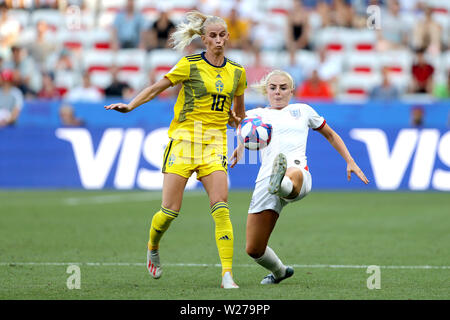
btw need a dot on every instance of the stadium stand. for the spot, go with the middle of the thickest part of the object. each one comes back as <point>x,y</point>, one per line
<point>86,32</point>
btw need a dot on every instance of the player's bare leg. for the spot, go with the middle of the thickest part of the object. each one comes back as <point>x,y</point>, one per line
<point>259,228</point>
<point>172,196</point>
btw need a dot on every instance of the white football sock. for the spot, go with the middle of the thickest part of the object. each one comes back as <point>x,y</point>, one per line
<point>286,187</point>
<point>270,261</point>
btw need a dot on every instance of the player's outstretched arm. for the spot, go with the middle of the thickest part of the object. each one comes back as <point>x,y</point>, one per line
<point>336,141</point>
<point>144,96</point>
<point>238,112</point>
<point>237,155</point>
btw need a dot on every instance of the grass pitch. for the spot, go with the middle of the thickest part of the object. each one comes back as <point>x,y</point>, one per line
<point>329,237</point>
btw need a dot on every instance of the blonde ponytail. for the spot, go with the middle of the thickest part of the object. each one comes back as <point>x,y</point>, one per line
<point>195,27</point>
<point>261,86</point>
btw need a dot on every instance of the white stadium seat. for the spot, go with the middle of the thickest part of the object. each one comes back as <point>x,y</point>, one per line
<point>239,56</point>
<point>359,40</point>
<point>362,62</point>
<point>106,19</point>
<point>101,79</point>
<point>445,61</point>
<point>308,60</point>
<point>22,16</point>
<point>135,80</point>
<point>398,61</point>
<point>131,60</point>
<point>98,60</point>
<point>98,39</point>
<point>357,85</point>
<point>162,57</point>
<point>112,5</point>
<point>66,80</point>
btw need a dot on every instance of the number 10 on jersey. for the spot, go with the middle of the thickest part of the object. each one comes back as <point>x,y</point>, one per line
<point>218,102</point>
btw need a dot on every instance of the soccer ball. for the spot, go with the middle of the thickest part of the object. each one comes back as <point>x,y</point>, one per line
<point>254,134</point>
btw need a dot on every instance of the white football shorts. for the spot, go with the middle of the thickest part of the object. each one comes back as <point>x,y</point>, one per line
<point>263,200</point>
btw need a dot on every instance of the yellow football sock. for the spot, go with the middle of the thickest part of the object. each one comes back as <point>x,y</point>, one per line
<point>160,223</point>
<point>224,234</point>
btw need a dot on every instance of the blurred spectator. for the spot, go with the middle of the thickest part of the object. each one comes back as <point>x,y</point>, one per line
<point>67,117</point>
<point>239,30</point>
<point>265,35</point>
<point>160,31</point>
<point>26,75</point>
<point>128,28</point>
<point>442,91</point>
<point>386,91</point>
<point>329,66</point>
<point>65,62</point>
<point>417,115</point>
<point>295,69</point>
<point>422,74</point>
<point>9,31</point>
<point>49,90</point>
<point>85,93</point>
<point>411,5</point>
<point>43,46</point>
<point>323,9</point>
<point>394,29</point>
<point>46,4</point>
<point>427,33</point>
<point>11,99</point>
<point>256,70</point>
<point>298,27</point>
<point>342,14</point>
<point>314,88</point>
<point>118,88</point>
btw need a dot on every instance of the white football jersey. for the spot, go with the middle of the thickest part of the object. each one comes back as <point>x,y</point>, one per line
<point>290,127</point>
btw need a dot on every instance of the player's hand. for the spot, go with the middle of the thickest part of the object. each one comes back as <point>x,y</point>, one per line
<point>353,167</point>
<point>233,119</point>
<point>237,155</point>
<point>121,107</point>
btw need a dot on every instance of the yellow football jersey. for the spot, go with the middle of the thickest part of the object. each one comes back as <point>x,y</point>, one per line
<point>205,98</point>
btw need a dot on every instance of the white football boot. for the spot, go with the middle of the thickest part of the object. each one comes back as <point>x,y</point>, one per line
<point>270,278</point>
<point>279,168</point>
<point>228,282</point>
<point>153,264</point>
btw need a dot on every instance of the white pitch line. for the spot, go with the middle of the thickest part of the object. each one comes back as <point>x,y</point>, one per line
<point>114,198</point>
<point>140,264</point>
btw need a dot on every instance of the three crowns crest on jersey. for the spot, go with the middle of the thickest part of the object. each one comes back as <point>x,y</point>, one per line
<point>219,86</point>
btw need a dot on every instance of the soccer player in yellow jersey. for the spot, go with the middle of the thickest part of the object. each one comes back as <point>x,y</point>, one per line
<point>211,84</point>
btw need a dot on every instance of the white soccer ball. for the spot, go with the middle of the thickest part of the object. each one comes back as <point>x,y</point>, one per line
<point>254,134</point>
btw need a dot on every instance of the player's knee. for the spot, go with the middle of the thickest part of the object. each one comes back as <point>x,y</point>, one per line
<point>253,251</point>
<point>171,205</point>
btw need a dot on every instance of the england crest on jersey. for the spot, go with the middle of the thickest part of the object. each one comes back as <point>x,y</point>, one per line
<point>295,113</point>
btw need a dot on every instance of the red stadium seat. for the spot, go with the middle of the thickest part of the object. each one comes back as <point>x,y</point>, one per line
<point>112,5</point>
<point>130,60</point>
<point>362,62</point>
<point>355,85</point>
<point>97,60</point>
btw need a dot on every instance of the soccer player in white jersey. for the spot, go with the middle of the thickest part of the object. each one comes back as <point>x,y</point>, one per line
<point>284,176</point>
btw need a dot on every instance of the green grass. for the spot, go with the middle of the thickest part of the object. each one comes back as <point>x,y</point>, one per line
<point>325,228</point>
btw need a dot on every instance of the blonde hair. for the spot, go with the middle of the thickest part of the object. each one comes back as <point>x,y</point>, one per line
<point>261,86</point>
<point>195,27</point>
